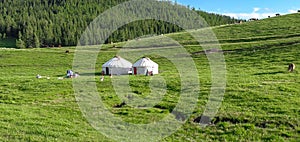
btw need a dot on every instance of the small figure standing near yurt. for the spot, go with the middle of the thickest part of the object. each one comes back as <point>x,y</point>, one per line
<point>145,66</point>
<point>291,67</point>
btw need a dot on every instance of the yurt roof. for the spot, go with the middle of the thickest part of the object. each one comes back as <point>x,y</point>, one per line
<point>117,61</point>
<point>145,62</point>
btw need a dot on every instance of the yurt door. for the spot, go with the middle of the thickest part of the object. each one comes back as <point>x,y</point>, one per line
<point>134,70</point>
<point>107,71</point>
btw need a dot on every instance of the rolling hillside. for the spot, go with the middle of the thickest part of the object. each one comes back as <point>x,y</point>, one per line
<point>261,102</point>
<point>276,28</point>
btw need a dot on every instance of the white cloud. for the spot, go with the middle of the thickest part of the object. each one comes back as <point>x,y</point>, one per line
<point>256,9</point>
<point>249,15</point>
<point>258,13</point>
<point>255,14</point>
<point>293,11</point>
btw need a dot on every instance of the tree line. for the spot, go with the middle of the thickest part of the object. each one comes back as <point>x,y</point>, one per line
<point>47,23</point>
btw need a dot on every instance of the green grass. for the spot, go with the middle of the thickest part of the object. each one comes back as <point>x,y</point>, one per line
<point>261,102</point>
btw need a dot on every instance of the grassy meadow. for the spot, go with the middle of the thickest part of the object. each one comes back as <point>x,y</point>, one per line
<point>261,102</point>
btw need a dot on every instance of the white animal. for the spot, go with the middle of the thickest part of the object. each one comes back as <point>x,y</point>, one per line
<point>38,76</point>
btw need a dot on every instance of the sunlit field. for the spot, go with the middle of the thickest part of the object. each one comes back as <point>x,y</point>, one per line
<point>261,102</point>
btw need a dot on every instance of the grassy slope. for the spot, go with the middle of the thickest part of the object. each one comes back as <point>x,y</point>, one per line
<point>261,100</point>
<point>261,97</point>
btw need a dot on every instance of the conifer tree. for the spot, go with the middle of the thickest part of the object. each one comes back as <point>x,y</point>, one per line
<point>61,22</point>
<point>36,41</point>
<point>20,43</point>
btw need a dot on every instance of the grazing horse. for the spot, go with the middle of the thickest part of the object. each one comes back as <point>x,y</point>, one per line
<point>67,51</point>
<point>291,67</point>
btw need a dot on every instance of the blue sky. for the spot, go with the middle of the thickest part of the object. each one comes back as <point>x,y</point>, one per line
<point>245,9</point>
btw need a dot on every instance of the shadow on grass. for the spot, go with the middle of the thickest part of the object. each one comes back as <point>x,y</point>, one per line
<point>83,74</point>
<point>90,74</point>
<point>270,73</point>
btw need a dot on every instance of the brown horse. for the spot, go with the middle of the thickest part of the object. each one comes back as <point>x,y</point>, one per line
<point>291,67</point>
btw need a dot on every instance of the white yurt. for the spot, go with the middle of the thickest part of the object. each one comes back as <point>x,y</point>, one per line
<point>116,66</point>
<point>145,66</point>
